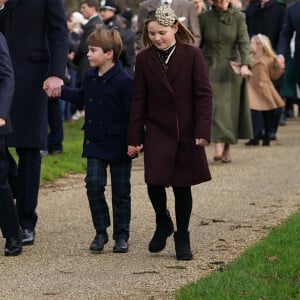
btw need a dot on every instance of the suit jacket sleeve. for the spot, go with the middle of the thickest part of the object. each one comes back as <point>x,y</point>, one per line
<point>6,80</point>
<point>286,33</point>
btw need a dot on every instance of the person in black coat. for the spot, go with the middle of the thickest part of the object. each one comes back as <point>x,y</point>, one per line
<point>8,215</point>
<point>37,38</point>
<point>291,25</point>
<point>109,13</point>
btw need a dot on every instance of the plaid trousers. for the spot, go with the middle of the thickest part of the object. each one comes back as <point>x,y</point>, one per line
<point>96,181</point>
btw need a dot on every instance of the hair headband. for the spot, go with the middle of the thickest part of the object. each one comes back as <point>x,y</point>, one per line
<point>164,15</point>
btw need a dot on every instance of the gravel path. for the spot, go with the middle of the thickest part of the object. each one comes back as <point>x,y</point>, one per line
<point>245,199</point>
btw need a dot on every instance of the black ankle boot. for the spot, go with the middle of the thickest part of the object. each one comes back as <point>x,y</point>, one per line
<point>252,142</point>
<point>266,142</point>
<point>182,245</point>
<point>164,228</point>
<point>13,245</point>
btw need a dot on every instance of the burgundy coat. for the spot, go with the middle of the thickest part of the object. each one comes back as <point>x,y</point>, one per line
<point>174,109</point>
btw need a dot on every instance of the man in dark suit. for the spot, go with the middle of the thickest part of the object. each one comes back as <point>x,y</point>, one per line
<point>88,8</point>
<point>8,215</point>
<point>291,25</point>
<point>183,9</point>
<point>37,38</point>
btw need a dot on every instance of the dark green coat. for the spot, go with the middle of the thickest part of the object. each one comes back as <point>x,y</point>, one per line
<point>225,38</point>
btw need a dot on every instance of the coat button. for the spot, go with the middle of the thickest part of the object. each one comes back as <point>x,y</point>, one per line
<point>91,99</point>
<point>101,123</point>
<point>90,121</point>
<point>87,142</point>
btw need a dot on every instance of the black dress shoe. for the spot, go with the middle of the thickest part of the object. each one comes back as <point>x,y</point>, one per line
<point>28,237</point>
<point>98,242</point>
<point>13,245</point>
<point>120,246</point>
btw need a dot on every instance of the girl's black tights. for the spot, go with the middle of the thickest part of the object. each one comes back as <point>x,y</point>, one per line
<point>183,203</point>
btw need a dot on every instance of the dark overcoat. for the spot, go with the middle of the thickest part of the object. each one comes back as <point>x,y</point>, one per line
<point>80,58</point>
<point>175,109</point>
<point>291,26</point>
<point>37,38</point>
<point>267,20</point>
<point>107,101</point>
<point>7,83</point>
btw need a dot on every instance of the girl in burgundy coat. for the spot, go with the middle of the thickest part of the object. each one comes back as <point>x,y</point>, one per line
<point>172,102</point>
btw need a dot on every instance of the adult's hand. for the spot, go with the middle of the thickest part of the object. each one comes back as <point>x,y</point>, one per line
<point>201,142</point>
<point>52,86</point>
<point>2,122</point>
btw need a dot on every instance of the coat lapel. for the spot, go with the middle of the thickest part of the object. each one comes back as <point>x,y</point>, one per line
<point>156,68</point>
<point>177,60</point>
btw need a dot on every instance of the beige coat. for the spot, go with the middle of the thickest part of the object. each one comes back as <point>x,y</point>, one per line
<point>262,93</point>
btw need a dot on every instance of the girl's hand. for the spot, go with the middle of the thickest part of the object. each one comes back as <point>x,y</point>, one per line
<point>245,71</point>
<point>134,150</point>
<point>201,142</point>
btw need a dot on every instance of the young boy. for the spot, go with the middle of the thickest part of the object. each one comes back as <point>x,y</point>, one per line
<point>8,216</point>
<point>106,94</point>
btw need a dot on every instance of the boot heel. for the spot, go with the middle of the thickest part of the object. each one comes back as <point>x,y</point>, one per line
<point>182,246</point>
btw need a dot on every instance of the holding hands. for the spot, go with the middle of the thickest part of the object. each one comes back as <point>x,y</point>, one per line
<point>52,86</point>
<point>134,150</point>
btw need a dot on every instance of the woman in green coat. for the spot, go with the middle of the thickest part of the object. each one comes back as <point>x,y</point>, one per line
<point>224,39</point>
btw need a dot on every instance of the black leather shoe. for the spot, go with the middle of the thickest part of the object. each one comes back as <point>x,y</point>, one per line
<point>28,237</point>
<point>98,242</point>
<point>121,246</point>
<point>13,245</point>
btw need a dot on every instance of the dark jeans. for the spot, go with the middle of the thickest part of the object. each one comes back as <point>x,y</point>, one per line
<point>8,215</point>
<point>96,180</point>
<point>183,204</point>
<point>24,179</point>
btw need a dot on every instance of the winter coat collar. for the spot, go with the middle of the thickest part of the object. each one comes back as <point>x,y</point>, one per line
<point>225,17</point>
<point>93,72</point>
<point>177,59</point>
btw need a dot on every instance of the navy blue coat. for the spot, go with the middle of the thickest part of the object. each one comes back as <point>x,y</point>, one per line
<point>7,83</point>
<point>266,20</point>
<point>291,25</point>
<point>37,37</point>
<point>107,101</point>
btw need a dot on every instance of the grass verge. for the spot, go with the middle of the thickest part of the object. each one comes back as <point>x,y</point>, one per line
<point>269,270</point>
<point>70,161</point>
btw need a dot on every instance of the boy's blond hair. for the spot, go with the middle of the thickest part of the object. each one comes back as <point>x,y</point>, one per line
<point>107,39</point>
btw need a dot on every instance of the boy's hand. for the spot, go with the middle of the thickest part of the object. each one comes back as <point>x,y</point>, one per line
<point>134,150</point>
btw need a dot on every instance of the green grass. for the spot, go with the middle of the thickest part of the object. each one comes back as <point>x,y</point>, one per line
<point>269,270</point>
<point>70,161</point>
